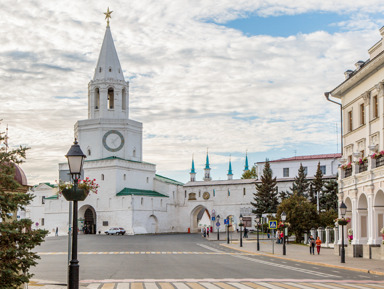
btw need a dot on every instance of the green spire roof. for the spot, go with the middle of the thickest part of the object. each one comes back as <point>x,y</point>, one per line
<point>193,167</point>
<point>207,162</point>
<point>230,168</point>
<point>246,168</point>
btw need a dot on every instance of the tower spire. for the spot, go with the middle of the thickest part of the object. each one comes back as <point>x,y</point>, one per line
<point>207,161</point>
<point>230,174</point>
<point>246,168</point>
<point>108,65</point>
<point>192,173</point>
<point>207,169</point>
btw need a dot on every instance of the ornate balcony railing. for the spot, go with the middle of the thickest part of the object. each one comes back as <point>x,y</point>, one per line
<point>363,167</point>
<point>379,161</point>
<point>348,172</point>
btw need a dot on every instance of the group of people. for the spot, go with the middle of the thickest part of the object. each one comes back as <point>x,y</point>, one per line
<point>279,237</point>
<point>206,232</point>
<point>312,243</point>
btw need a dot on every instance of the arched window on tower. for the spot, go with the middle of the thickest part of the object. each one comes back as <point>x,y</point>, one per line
<point>97,98</point>
<point>111,98</point>
<point>124,99</point>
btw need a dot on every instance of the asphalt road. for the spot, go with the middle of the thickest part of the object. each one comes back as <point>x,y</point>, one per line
<point>179,256</point>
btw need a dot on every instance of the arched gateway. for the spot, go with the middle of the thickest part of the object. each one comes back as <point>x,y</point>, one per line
<point>196,215</point>
<point>88,216</point>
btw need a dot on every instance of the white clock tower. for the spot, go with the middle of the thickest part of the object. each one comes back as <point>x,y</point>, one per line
<point>131,195</point>
<point>108,131</point>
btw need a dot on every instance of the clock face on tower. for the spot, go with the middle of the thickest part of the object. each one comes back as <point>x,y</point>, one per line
<point>113,141</point>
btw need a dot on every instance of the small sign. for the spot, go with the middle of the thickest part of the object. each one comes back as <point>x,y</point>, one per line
<point>213,218</point>
<point>226,221</point>
<point>218,224</point>
<point>273,224</point>
<point>213,211</point>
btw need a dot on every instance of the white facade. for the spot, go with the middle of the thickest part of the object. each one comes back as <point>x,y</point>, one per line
<point>285,170</point>
<point>361,186</point>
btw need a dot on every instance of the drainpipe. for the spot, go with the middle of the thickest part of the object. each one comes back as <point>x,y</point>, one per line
<point>327,94</point>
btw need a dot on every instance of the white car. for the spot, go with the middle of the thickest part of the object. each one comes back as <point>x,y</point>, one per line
<point>115,231</point>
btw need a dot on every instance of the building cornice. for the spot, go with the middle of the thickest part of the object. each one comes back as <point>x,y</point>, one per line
<point>370,67</point>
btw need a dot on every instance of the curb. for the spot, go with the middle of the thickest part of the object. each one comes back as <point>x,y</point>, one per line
<point>308,262</point>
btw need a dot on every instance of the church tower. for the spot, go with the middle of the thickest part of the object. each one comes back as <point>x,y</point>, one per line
<point>207,170</point>
<point>108,131</point>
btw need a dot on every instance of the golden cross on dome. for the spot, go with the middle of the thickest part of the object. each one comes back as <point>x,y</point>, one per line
<point>107,16</point>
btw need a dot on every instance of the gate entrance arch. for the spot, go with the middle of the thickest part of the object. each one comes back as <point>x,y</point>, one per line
<point>152,225</point>
<point>195,217</point>
<point>88,214</point>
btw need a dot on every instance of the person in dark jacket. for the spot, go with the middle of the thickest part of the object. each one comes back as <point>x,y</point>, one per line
<point>312,243</point>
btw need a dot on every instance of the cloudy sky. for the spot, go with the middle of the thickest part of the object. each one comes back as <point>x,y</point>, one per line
<point>226,75</point>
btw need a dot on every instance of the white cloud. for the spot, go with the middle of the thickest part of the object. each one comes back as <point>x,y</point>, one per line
<point>194,84</point>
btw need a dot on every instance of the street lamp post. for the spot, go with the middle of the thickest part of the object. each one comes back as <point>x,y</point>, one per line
<point>227,230</point>
<point>343,210</point>
<point>283,218</point>
<point>75,158</point>
<point>257,230</point>
<point>241,234</point>
<point>218,227</point>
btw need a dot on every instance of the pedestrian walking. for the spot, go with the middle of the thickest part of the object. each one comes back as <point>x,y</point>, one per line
<point>311,242</point>
<point>245,232</point>
<point>278,237</point>
<point>318,245</point>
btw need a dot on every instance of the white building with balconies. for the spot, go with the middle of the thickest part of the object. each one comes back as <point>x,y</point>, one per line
<point>361,176</point>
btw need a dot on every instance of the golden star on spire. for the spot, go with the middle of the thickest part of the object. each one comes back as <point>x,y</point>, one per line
<point>107,16</point>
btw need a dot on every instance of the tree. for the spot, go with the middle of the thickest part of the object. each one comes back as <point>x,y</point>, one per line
<point>301,214</point>
<point>327,218</point>
<point>328,200</point>
<point>284,195</point>
<point>300,183</point>
<point>316,185</point>
<point>250,174</point>
<point>266,200</point>
<point>17,239</point>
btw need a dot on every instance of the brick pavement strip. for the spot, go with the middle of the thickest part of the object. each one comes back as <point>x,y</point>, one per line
<point>203,284</point>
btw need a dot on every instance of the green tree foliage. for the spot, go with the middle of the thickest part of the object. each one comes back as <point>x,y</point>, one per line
<point>301,214</point>
<point>327,218</point>
<point>316,186</point>
<point>265,198</point>
<point>17,239</point>
<point>284,195</point>
<point>328,200</point>
<point>250,174</point>
<point>300,183</point>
